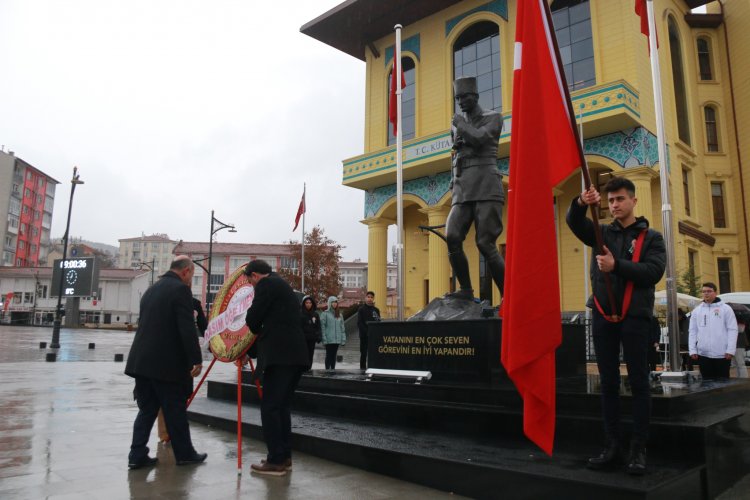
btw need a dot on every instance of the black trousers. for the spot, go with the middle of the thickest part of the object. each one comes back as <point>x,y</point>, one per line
<point>714,367</point>
<point>632,334</point>
<point>279,384</point>
<point>171,397</point>
<point>310,352</point>
<point>331,351</point>
<point>363,349</point>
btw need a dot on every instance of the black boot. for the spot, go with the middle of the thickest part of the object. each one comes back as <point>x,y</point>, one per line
<point>637,459</point>
<point>610,456</point>
<point>464,293</point>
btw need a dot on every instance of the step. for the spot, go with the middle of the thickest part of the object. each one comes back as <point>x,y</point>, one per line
<point>480,467</point>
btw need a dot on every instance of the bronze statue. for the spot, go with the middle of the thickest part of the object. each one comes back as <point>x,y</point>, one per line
<point>478,195</point>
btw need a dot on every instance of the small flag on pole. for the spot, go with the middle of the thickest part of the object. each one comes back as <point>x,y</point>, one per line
<point>301,210</point>
<point>641,10</point>
<point>392,112</point>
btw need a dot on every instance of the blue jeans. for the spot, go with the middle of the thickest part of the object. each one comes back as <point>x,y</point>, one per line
<point>632,334</point>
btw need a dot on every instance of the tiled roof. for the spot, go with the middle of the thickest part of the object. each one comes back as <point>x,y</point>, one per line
<point>153,237</point>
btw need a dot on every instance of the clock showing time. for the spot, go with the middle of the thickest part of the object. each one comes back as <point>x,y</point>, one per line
<point>71,277</point>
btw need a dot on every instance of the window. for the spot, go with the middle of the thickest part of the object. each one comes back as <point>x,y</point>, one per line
<point>15,206</point>
<point>692,256</point>
<point>678,80</point>
<point>704,59</point>
<point>686,189</point>
<point>712,133</point>
<point>8,241</point>
<point>25,210</point>
<point>12,221</point>
<point>27,193</point>
<point>725,274</point>
<point>572,23</point>
<point>15,188</point>
<point>717,200</point>
<point>476,52</point>
<point>290,263</point>
<point>408,101</point>
<point>217,280</point>
<point>21,244</point>
<point>40,182</point>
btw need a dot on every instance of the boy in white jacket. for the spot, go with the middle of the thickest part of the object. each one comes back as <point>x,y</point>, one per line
<point>713,334</point>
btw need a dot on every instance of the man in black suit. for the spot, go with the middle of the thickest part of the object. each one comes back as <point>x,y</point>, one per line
<point>164,356</point>
<point>282,357</point>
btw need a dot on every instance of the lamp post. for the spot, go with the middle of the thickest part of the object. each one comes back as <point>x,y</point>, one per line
<point>150,265</point>
<point>216,226</point>
<point>58,312</point>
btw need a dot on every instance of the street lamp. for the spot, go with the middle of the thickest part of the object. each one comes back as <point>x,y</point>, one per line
<point>150,265</point>
<point>214,230</point>
<point>58,312</point>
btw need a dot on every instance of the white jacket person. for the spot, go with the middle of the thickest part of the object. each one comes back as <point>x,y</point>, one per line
<point>713,330</point>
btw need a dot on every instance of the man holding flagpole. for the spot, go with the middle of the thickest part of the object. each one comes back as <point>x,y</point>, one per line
<point>634,258</point>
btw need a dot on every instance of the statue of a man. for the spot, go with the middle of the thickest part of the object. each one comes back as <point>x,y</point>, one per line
<point>478,195</point>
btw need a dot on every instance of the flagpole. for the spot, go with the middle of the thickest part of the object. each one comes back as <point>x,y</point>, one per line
<point>304,212</point>
<point>584,163</point>
<point>399,179</point>
<point>666,207</point>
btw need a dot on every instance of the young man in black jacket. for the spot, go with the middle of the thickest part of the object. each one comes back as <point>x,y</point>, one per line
<point>367,312</point>
<point>282,357</point>
<point>633,278</point>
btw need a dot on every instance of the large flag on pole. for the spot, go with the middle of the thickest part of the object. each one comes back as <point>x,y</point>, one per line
<point>300,211</point>
<point>543,151</point>
<point>640,9</point>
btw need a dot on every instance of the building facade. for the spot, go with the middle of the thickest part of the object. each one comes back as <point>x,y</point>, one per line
<point>27,199</point>
<point>153,251</point>
<point>706,89</point>
<point>227,258</point>
<point>27,297</point>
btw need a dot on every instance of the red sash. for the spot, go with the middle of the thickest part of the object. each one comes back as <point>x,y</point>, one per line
<point>614,318</point>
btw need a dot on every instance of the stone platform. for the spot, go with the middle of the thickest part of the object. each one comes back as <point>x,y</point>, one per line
<point>468,438</point>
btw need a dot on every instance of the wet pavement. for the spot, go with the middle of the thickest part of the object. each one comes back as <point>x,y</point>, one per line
<point>65,430</point>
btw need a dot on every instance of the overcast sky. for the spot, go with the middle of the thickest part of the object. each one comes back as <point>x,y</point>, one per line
<point>172,108</point>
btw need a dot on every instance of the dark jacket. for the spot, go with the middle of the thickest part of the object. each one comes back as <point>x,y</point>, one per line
<point>165,346</point>
<point>621,241</point>
<point>274,317</point>
<point>364,315</point>
<point>200,318</point>
<point>310,320</point>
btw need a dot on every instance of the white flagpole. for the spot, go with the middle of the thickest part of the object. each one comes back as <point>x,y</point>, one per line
<point>304,212</point>
<point>399,178</point>
<point>666,207</point>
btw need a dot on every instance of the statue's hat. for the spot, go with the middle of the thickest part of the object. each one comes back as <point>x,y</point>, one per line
<point>465,85</point>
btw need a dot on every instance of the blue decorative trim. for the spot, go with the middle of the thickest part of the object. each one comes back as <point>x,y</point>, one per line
<point>411,44</point>
<point>499,7</point>
<point>629,148</point>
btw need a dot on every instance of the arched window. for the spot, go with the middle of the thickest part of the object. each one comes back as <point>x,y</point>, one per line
<point>572,22</point>
<point>678,79</point>
<point>408,102</point>
<point>704,59</point>
<point>476,52</point>
<point>712,130</point>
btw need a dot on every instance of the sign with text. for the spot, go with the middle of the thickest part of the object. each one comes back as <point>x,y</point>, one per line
<point>80,277</point>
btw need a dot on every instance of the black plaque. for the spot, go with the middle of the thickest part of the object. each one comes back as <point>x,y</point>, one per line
<point>80,277</point>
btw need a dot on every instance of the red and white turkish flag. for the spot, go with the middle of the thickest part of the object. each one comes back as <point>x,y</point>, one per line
<point>301,210</point>
<point>392,107</point>
<point>640,9</point>
<point>543,152</point>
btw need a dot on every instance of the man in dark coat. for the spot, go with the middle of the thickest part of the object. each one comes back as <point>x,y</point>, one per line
<point>478,195</point>
<point>367,312</point>
<point>164,356</point>
<point>282,357</point>
<point>613,326</point>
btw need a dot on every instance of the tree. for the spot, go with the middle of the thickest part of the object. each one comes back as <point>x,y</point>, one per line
<point>689,283</point>
<point>322,256</point>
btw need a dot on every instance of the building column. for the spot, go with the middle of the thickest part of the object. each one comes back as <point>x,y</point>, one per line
<point>438,266</point>
<point>643,179</point>
<point>377,259</point>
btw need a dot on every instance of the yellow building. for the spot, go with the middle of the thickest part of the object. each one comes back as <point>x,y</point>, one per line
<point>706,89</point>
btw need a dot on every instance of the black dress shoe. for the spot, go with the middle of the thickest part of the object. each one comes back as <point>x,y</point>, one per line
<point>608,458</point>
<point>145,462</point>
<point>195,459</point>
<point>464,293</point>
<point>637,459</point>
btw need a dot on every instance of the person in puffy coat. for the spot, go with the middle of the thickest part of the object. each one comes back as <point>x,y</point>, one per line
<point>310,325</point>
<point>713,334</point>
<point>334,334</point>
